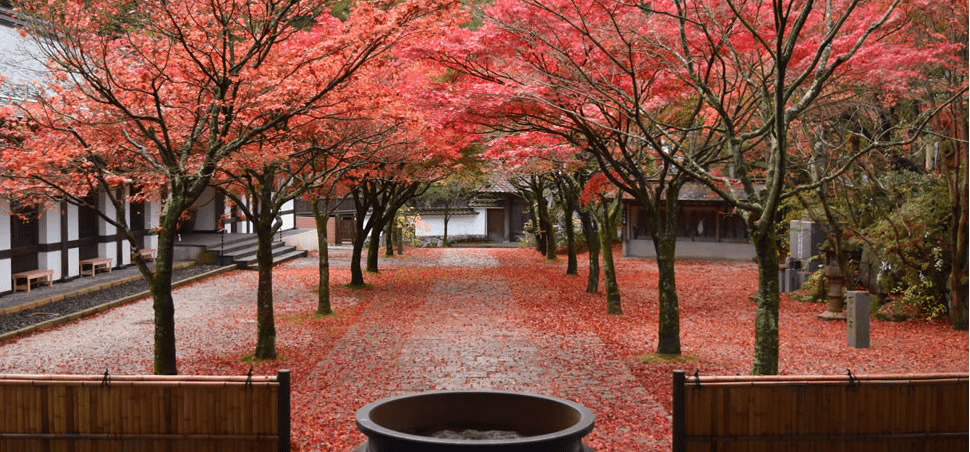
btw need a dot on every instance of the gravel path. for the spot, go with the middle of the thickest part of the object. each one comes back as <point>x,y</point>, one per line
<point>22,319</point>
<point>121,339</point>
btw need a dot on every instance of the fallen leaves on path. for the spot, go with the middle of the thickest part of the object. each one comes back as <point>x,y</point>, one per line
<point>565,343</point>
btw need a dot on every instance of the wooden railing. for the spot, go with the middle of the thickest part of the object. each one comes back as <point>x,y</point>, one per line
<point>820,413</point>
<point>106,413</point>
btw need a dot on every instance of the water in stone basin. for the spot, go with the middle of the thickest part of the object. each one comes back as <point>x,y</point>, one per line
<point>476,434</point>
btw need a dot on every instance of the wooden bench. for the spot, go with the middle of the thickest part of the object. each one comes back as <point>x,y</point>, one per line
<point>38,276</point>
<point>90,266</point>
<point>147,254</point>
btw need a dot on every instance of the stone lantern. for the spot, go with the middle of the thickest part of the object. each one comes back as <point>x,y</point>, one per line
<point>836,303</point>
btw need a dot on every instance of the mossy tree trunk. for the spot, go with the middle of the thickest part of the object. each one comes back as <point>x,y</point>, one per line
<point>568,191</point>
<point>766,316</point>
<point>533,189</point>
<point>610,211</point>
<point>374,249</point>
<point>959,187</point>
<point>548,225</point>
<point>389,239</point>
<point>356,253</point>
<point>265,320</point>
<point>266,198</point>
<point>664,235</point>
<point>321,216</point>
<point>444,237</point>
<point>613,305</point>
<point>160,278</point>
<point>181,194</point>
<point>163,305</point>
<point>572,262</point>
<point>266,223</point>
<point>363,224</point>
<point>591,232</point>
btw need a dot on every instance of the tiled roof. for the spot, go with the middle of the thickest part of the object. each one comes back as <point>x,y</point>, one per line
<point>695,192</point>
<point>700,192</point>
<point>499,185</point>
<point>442,211</point>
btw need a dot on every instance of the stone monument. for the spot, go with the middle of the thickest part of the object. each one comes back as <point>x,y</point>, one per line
<point>857,319</point>
<point>804,238</point>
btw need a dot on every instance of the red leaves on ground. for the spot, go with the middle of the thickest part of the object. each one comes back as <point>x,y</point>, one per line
<point>717,333</point>
<point>499,319</point>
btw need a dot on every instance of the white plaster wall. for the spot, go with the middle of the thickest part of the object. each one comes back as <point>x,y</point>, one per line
<point>73,230</point>
<point>458,225</point>
<point>4,225</point>
<point>205,210</point>
<point>49,232</point>
<point>109,249</point>
<point>152,210</point>
<point>50,261</point>
<point>125,252</point>
<point>105,206</point>
<point>73,262</point>
<point>50,226</point>
<point>289,219</point>
<point>687,249</point>
<point>245,227</point>
<point>5,270</point>
<point>125,244</point>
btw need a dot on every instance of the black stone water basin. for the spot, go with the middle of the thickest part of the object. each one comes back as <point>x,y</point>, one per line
<point>510,422</point>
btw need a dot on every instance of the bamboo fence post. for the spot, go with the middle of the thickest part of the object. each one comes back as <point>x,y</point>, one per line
<point>283,397</point>
<point>679,420</point>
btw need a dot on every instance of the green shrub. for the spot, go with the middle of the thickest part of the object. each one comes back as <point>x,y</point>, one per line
<point>913,242</point>
<point>815,289</point>
<point>924,300</point>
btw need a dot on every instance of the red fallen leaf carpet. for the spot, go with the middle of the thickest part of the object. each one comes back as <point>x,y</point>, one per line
<point>481,319</point>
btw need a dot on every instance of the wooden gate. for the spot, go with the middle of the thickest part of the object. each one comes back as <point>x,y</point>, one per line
<point>495,224</point>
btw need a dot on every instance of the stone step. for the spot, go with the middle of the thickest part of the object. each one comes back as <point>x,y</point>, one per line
<point>241,250</point>
<point>232,242</point>
<point>280,255</point>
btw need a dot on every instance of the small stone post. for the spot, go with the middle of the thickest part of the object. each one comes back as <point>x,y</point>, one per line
<point>793,272</point>
<point>857,319</point>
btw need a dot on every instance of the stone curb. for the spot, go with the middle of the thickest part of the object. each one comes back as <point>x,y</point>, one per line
<point>79,292</point>
<point>100,308</point>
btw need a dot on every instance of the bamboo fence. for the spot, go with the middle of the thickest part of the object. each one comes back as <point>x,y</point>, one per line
<point>820,413</point>
<point>107,413</point>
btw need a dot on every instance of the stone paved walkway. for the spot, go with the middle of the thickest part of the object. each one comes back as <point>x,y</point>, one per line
<point>466,335</point>
<point>462,338</point>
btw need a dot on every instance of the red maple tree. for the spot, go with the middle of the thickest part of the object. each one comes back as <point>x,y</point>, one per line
<point>159,95</point>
